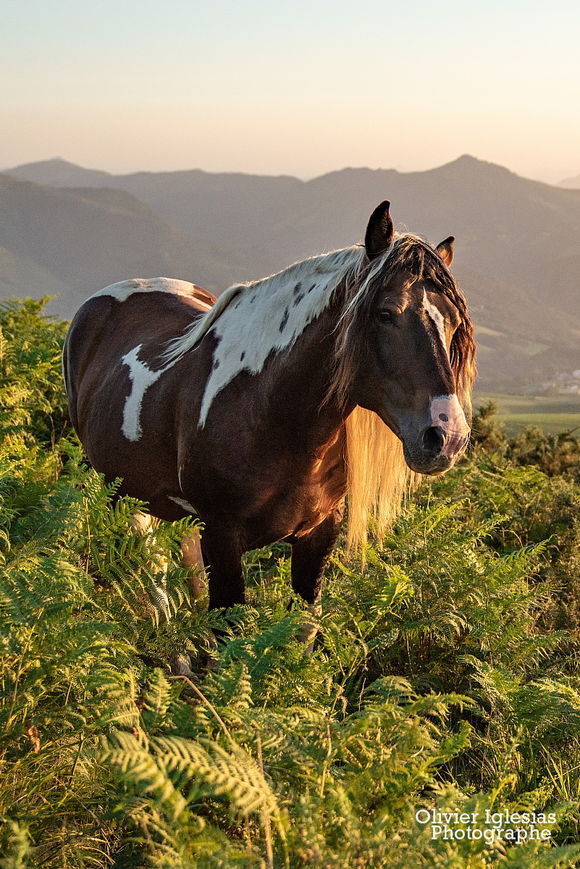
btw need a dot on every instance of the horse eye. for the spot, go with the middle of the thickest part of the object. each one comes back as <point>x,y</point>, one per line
<point>386,316</point>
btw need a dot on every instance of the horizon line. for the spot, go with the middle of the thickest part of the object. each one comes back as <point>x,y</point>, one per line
<point>303,179</point>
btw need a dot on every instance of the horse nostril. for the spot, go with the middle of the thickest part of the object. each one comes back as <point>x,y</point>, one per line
<point>433,439</point>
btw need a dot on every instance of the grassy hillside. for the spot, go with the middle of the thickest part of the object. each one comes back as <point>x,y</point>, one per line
<point>445,678</point>
<point>552,414</point>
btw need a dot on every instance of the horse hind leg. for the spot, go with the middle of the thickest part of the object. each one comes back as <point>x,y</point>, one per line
<point>144,524</point>
<point>192,558</point>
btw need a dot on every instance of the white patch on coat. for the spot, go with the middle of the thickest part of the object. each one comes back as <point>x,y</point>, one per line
<point>142,377</point>
<point>251,321</point>
<point>437,319</point>
<point>123,289</point>
<point>184,504</point>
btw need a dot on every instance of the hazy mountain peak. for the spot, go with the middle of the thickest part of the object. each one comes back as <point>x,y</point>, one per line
<point>467,164</point>
<point>58,172</point>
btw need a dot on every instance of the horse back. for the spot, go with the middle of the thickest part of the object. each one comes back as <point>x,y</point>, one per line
<point>135,317</point>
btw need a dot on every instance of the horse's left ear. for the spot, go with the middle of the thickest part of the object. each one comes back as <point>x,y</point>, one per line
<point>380,231</point>
<point>445,250</point>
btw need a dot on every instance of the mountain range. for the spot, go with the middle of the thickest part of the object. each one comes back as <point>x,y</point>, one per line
<point>69,230</point>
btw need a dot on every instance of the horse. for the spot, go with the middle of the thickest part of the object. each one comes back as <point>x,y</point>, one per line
<point>344,376</point>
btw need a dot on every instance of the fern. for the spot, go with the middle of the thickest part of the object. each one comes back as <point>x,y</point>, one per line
<point>445,675</point>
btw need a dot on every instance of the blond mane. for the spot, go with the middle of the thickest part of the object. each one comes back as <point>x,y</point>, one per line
<point>378,477</point>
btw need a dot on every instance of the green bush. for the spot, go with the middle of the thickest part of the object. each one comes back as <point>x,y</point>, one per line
<point>445,676</point>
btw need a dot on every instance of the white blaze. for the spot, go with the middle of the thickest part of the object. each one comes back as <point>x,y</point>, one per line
<point>437,319</point>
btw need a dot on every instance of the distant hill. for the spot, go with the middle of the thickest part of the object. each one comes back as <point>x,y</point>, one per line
<point>73,242</point>
<point>60,173</point>
<point>517,239</point>
<point>571,182</point>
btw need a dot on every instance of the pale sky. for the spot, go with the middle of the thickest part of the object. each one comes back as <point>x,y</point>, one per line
<point>301,88</point>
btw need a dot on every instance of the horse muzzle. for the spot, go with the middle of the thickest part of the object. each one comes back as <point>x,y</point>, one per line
<point>437,445</point>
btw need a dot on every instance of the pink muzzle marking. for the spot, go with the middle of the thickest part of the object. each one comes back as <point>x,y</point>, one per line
<point>446,413</point>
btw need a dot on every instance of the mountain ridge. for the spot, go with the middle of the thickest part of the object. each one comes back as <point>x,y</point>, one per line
<point>515,238</point>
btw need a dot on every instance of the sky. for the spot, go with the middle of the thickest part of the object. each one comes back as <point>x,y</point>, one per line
<point>299,88</point>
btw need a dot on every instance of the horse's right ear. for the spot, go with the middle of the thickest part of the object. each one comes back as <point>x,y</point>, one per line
<point>380,231</point>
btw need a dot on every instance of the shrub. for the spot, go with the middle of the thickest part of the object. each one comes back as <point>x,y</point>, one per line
<point>445,677</point>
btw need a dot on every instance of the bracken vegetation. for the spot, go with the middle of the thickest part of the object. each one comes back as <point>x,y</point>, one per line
<point>445,676</point>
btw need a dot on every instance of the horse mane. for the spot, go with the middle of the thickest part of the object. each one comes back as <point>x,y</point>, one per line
<point>378,477</point>
<point>328,270</point>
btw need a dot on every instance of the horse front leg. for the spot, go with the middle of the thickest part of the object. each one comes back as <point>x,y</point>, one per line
<point>222,556</point>
<point>310,556</point>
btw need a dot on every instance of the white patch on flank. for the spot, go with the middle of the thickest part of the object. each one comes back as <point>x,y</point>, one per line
<point>251,321</point>
<point>182,503</point>
<point>122,290</point>
<point>437,318</point>
<point>142,377</point>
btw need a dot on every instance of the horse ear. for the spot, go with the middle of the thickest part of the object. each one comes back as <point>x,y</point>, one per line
<point>380,230</point>
<point>445,250</point>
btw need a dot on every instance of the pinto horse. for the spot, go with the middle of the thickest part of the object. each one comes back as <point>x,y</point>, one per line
<point>259,412</point>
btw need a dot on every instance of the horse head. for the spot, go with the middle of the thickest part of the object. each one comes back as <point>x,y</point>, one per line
<point>414,359</point>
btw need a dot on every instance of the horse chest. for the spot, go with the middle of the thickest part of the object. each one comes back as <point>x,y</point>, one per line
<point>271,494</point>
<point>290,515</point>
<point>304,493</point>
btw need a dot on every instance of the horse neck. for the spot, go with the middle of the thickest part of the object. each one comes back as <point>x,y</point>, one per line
<point>298,381</point>
<point>282,330</point>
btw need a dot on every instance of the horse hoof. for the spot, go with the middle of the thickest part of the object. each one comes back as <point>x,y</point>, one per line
<point>204,661</point>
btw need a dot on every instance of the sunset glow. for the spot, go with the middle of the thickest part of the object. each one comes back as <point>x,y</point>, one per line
<point>302,89</point>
